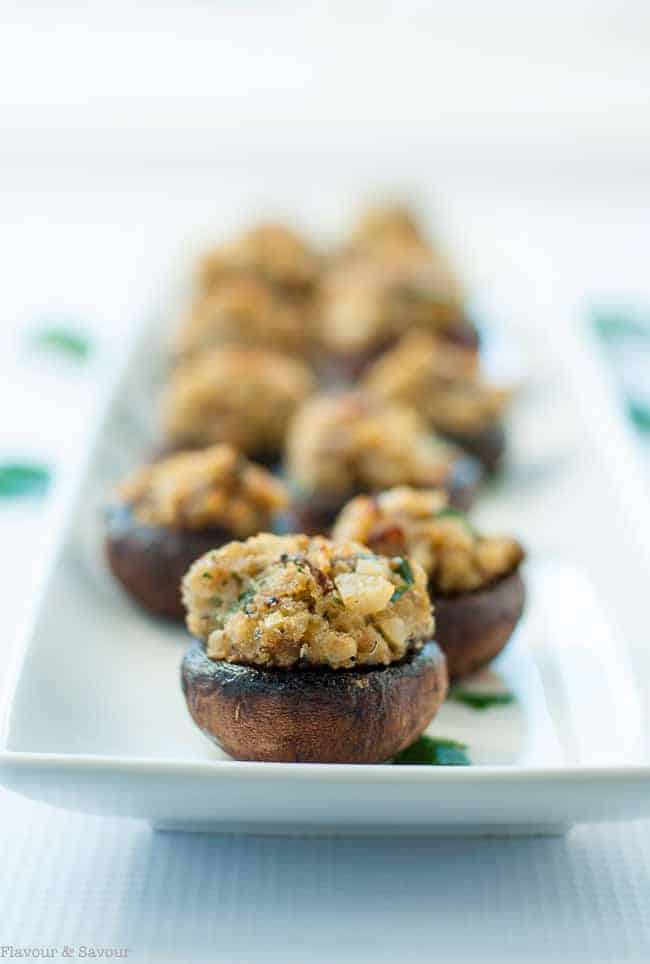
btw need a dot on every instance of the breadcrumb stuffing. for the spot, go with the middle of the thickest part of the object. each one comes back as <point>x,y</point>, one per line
<point>372,296</point>
<point>386,222</point>
<point>419,524</point>
<point>271,251</point>
<point>282,601</point>
<point>247,311</point>
<point>338,445</point>
<point>244,396</point>
<point>209,488</point>
<point>440,380</point>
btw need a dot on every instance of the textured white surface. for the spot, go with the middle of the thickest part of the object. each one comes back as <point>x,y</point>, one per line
<point>70,879</point>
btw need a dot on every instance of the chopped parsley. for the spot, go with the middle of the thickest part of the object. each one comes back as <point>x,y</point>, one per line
<point>399,592</point>
<point>299,561</point>
<point>23,479</point>
<point>478,700</point>
<point>245,597</point>
<point>450,513</point>
<point>241,602</point>
<point>432,751</point>
<point>405,571</point>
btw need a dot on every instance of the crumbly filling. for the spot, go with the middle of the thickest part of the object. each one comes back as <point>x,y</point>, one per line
<point>287,600</point>
<point>420,525</point>
<point>342,444</point>
<point>371,297</point>
<point>386,222</point>
<point>244,396</point>
<point>272,251</point>
<point>209,488</point>
<point>244,311</point>
<point>440,380</point>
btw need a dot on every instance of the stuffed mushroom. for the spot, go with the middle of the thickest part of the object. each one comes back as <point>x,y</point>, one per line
<point>474,579</point>
<point>309,651</point>
<point>244,396</point>
<point>387,282</point>
<point>443,382</point>
<point>272,252</point>
<point>167,514</point>
<point>341,445</point>
<point>243,311</point>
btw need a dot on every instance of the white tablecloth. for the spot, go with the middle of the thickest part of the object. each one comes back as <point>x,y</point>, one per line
<point>69,879</point>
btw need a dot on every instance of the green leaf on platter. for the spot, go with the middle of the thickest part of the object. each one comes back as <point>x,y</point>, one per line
<point>432,751</point>
<point>62,341</point>
<point>478,700</point>
<point>639,415</point>
<point>18,479</point>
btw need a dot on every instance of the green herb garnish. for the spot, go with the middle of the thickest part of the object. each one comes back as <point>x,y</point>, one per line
<point>639,415</point>
<point>63,341</point>
<point>431,751</point>
<point>399,592</point>
<point>450,513</point>
<point>480,700</point>
<point>613,324</point>
<point>23,479</point>
<point>206,575</point>
<point>405,571</point>
<point>245,597</point>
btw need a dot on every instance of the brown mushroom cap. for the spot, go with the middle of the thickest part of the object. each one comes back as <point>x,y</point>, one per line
<point>150,561</point>
<point>314,715</point>
<point>473,627</point>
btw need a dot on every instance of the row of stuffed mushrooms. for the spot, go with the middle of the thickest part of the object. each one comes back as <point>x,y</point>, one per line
<point>326,425</point>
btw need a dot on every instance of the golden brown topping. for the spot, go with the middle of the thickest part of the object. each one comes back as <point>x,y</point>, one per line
<point>386,222</point>
<point>368,299</point>
<point>245,396</point>
<point>246,311</point>
<point>440,380</point>
<point>419,525</point>
<point>284,600</point>
<point>209,488</point>
<point>271,251</point>
<point>342,444</point>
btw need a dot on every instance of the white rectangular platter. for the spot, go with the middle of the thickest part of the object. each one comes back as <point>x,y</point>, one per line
<point>96,720</point>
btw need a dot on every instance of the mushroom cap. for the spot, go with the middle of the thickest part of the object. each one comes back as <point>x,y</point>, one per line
<point>150,561</point>
<point>314,715</point>
<point>472,628</point>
